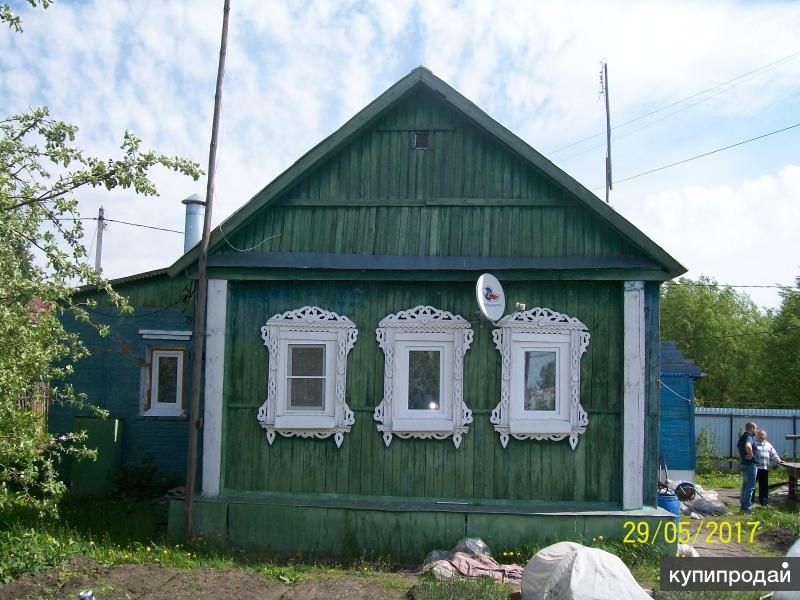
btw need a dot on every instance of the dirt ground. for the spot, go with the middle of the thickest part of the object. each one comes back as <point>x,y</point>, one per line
<point>152,582</point>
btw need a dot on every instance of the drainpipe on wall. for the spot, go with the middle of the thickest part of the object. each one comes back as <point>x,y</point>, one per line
<point>193,226</point>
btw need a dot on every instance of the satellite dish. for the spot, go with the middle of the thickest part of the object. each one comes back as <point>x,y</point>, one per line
<point>491,297</point>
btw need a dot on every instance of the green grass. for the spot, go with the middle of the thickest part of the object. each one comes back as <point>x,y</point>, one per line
<point>129,531</point>
<point>459,588</point>
<point>771,517</point>
<point>715,480</point>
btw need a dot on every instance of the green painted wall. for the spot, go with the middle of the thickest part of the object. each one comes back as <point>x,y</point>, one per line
<point>404,535</point>
<point>481,468</point>
<point>466,196</point>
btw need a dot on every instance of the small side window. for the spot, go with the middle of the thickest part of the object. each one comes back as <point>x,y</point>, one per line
<point>165,383</point>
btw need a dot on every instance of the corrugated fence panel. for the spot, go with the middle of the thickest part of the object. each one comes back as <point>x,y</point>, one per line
<point>725,425</point>
<point>481,468</point>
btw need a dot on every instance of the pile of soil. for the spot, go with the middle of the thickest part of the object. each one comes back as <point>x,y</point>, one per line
<point>778,540</point>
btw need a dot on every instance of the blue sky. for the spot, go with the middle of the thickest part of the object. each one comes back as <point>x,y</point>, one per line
<point>298,70</point>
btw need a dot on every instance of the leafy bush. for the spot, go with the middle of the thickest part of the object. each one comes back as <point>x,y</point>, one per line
<point>707,460</point>
<point>143,480</point>
<point>27,549</point>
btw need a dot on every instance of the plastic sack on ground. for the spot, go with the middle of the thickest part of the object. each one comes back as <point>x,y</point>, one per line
<point>472,546</point>
<point>570,571</point>
<point>707,505</point>
<point>435,555</point>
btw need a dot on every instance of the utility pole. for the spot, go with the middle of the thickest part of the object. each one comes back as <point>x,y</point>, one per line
<point>195,423</point>
<point>604,88</point>
<point>101,224</point>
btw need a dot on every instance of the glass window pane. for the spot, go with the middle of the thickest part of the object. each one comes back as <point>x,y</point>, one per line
<point>306,360</point>
<point>167,379</point>
<point>540,381</point>
<point>306,394</point>
<point>424,374</point>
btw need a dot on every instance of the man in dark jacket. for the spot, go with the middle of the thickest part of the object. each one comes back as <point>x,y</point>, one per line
<point>746,447</point>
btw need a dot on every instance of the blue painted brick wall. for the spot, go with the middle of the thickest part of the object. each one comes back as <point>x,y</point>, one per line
<point>110,378</point>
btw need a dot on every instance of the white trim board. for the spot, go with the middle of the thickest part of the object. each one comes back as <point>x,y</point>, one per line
<point>214,375</point>
<point>633,395</point>
<point>164,334</point>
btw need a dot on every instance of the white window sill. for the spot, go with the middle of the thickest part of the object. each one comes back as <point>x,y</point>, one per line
<point>164,413</point>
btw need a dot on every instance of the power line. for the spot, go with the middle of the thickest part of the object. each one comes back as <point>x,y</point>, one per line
<point>123,223</point>
<point>677,102</point>
<point>730,285</point>
<point>735,335</point>
<point>673,391</point>
<point>680,162</point>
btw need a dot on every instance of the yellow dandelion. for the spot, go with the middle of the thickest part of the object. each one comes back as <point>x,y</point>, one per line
<point>165,551</point>
<point>600,537</point>
<point>148,549</point>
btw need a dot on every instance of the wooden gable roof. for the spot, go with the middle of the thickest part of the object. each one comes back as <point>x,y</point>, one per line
<point>475,116</point>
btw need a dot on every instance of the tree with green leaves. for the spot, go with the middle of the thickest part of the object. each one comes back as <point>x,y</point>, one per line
<point>782,352</point>
<point>723,331</point>
<point>42,260</point>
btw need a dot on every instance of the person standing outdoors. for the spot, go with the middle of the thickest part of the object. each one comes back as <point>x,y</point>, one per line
<point>747,448</point>
<point>765,454</point>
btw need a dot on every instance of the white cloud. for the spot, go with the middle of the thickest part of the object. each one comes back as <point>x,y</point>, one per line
<point>297,70</point>
<point>739,234</point>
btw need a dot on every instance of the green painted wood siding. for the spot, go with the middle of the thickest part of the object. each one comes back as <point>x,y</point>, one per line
<point>157,291</point>
<point>481,468</point>
<point>466,196</point>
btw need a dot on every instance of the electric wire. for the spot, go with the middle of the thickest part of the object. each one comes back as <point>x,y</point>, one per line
<point>704,154</point>
<point>677,102</point>
<point>94,237</point>
<point>123,223</point>
<point>735,335</point>
<point>731,285</point>
<point>661,383</point>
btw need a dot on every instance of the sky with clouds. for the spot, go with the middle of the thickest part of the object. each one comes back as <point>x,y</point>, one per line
<point>297,70</point>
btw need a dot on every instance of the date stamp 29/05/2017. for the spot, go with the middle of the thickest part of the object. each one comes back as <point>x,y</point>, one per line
<point>670,532</point>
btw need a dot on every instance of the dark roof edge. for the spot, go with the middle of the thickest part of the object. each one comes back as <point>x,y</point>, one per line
<point>127,279</point>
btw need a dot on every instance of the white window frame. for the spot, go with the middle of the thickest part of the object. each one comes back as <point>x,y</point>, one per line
<point>540,329</point>
<point>312,326</point>
<point>165,409</point>
<point>423,328</point>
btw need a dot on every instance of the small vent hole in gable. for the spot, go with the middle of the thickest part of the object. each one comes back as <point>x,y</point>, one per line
<point>421,140</point>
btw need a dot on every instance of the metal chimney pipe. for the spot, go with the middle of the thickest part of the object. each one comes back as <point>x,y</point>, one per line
<point>193,227</point>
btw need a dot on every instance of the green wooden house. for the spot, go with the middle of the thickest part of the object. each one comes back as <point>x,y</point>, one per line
<point>356,402</point>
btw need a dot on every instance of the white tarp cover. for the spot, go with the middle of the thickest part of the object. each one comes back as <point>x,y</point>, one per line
<point>570,571</point>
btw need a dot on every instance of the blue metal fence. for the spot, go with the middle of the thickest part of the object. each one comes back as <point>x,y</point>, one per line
<point>725,425</point>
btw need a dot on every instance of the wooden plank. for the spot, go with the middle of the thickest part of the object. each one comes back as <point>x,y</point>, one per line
<point>633,395</point>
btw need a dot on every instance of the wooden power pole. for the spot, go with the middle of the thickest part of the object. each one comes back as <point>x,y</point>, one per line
<point>199,333</point>
<point>604,81</point>
<point>101,224</point>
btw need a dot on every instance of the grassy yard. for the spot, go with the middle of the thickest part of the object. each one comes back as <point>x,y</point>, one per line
<point>132,532</point>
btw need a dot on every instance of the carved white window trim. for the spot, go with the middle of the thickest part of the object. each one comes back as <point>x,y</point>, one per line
<point>549,329</point>
<point>308,325</point>
<point>417,327</point>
